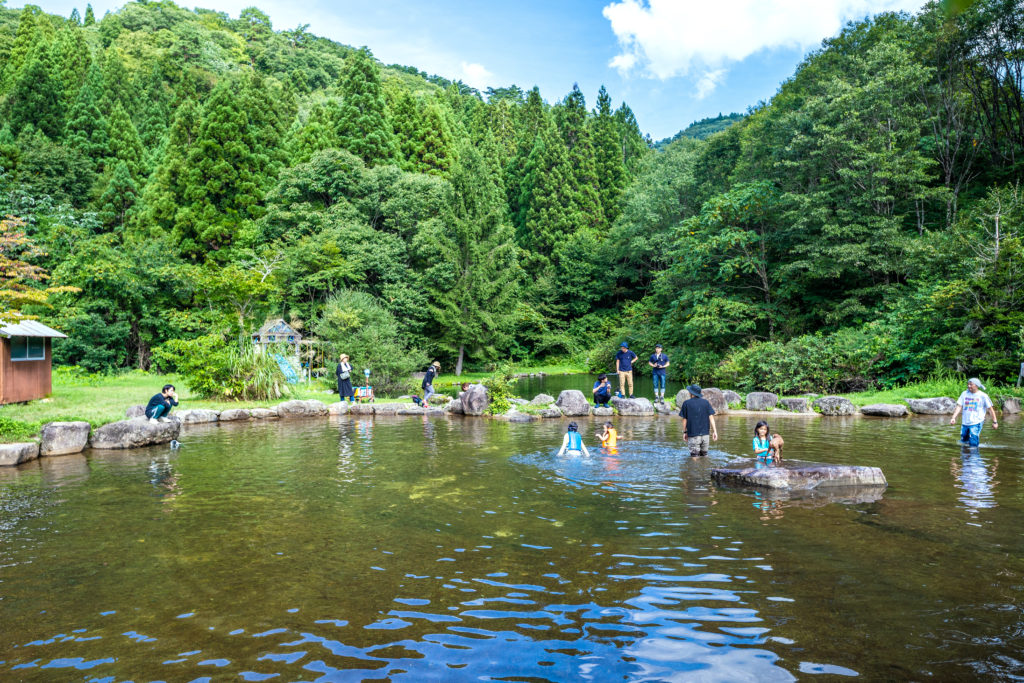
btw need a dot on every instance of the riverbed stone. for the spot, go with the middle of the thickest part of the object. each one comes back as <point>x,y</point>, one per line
<point>135,411</point>
<point>63,438</point>
<point>364,409</point>
<point>542,400</point>
<point>390,408</point>
<point>604,411</point>
<point>795,405</point>
<point>474,400</point>
<point>795,475</point>
<point>717,399</point>
<point>262,413</point>
<point>940,405</point>
<point>663,408</point>
<point>17,453</point>
<point>573,403</point>
<point>682,397</point>
<point>731,396</point>
<point>197,416</point>
<point>297,408</point>
<point>454,407</point>
<point>885,410</point>
<point>762,400</point>
<point>1011,405</point>
<point>835,405</point>
<point>338,408</point>
<point>134,433</point>
<point>548,413</point>
<point>235,414</point>
<point>637,407</point>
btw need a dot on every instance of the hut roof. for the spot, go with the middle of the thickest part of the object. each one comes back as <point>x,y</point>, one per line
<point>29,328</point>
<point>277,327</point>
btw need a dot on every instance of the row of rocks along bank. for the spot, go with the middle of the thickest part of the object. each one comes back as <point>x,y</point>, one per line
<point>65,438</point>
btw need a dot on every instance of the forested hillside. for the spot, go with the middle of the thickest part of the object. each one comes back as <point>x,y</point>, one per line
<point>702,130</point>
<point>189,174</point>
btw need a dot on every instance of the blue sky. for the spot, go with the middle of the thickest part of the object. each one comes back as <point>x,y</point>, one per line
<point>672,61</point>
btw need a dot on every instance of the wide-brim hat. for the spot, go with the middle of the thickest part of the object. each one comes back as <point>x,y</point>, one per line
<point>694,390</point>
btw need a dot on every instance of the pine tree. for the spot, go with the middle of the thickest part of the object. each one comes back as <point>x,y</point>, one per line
<point>86,128</point>
<point>36,98</point>
<point>611,172</point>
<point>75,17</point>
<point>119,198</point>
<point>125,145</point>
<point>433,152</point>
<point>90,18</point>
<point>576,137</point>
<point>363,126</point>
<point>70,54</point>
<point>164,194</point>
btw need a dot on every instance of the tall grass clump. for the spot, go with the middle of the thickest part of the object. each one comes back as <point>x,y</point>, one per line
<point>214,368</point>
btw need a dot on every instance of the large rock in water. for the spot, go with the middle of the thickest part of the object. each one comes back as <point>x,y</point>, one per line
<point>63,438</point>
<point>682,397</point>
<point>1011,406</point>
<point>794,475</point>
<point>310,408</point>
<point>717,399</point>
<point>17,453</point>
<point>663,408</point>
<point>732,397</point>
<point>134,433</point>
<point>940,405</point>
<point>234,414</point>
<point>794,405</point>
<point>600,411</point>
<point>197,416</point>
<point>135,411</point>
<point>336,408</point>
<point>573,403</point>
<point>638,407</point>
<point>835,405</point>
<point>550,412</point>
<point>455,406</point>
<point>391,408</point>
<point>542,400</point>
<point>474,400</point>
<point>885,410</point>
<point>762,400</point>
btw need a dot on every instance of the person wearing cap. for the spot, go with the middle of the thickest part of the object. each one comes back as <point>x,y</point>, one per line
<point>698,422</point>
<point>658,362</point>
<point>433,370</point>
<point>344,375</point>
<point>974,404</point>
<point>624,367</point>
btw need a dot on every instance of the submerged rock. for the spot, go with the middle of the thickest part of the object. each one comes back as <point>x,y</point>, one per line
<point>17,453</point>
<point>63,438</point>
<point>835,405</point>
<point>639,407</point>
<point>762,400</point>
<point>550,412</point>
<point>474,400</point>
<point>663,408</point>
<point>573,403</point>
<point>794,475</point>
<point>310,408</point>
<point>542,400</point>
<point>234,415</point>
<point>885,410</point>
<point>940,405</point>
<point>134,433</point>
<point>795,405</point>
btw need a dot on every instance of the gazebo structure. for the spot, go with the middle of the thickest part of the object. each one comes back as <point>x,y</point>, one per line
<point>26,361</point>
<point>277,332</point>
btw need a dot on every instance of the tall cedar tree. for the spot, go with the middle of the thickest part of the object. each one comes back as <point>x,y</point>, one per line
<point>405,123</point>
<point>125,144</point>
<point>33,29</point>
<point>363,126</point>
<point>576,137</point>
<point>86,129</point>
<point>315,135</point>
<point>548,210</point>
<point>532,118</point>
<point>119,198</point>
<point>611,171</point>
<point>90,17</point>
<point>434,151</point>
<point>36,97</point>
<point>70,55</point>
<point>118,87</point>
<point>165,192</point>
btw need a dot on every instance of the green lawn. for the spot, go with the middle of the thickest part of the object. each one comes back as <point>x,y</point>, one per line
<point>951,387</point>
<point>446,381</point>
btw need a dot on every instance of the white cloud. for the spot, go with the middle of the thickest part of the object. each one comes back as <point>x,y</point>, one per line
<point>476,75</point>
<point>667,38</point>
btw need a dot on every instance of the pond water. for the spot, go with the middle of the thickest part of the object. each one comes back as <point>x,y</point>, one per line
<point>452,549</point>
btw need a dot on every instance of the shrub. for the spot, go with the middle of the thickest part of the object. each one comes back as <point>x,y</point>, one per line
<point>212,368</point>
<point>500,389</point>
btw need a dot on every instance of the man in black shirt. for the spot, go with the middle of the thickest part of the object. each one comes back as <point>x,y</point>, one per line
<point>698,422</point>
<point>159,407</point>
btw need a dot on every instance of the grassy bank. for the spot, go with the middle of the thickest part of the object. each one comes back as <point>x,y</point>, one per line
<point>446,381</point>
<point>951,387</point>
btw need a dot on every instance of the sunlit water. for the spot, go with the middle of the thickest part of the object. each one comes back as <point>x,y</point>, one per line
<point>462,549</point>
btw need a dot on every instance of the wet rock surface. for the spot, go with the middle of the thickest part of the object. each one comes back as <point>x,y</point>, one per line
<point>762,400</point>
<point>717,399</point>
<point>795,405</point>
<point>134,433</point>
<point>573,403</point>
<point>17,453</point>
<point>638,407</point>
<point>63,438</point>
<point>796,475</point>
<point>474,400</point>
<point>940,405</point>
<point>885,410</point>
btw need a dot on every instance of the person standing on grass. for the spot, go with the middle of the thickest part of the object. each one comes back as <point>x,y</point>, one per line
<point>698,422</point>
<point>624,367</point>
<point>658,362</point>
<point>159,407</point>
<point>974,404</point>
<point>344,374</point>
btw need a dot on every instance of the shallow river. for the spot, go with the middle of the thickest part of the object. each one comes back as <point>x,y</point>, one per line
<point>461,549</point>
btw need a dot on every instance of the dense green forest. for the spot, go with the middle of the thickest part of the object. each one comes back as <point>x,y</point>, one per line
<point>701,130</point>
<point>175,177</point>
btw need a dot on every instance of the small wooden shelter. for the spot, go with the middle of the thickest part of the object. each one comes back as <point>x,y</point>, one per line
<point>26,361</point>
<point>277,332</point>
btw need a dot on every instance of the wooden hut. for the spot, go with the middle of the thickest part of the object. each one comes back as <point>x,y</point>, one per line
<point>277,332</point>
<point>26,361</point>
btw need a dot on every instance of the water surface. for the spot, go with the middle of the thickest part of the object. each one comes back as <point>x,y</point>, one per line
<point>453,549</point>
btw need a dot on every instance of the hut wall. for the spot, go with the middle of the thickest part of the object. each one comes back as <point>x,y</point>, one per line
<point>24,380</point>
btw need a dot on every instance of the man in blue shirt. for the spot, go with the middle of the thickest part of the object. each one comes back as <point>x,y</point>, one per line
<point>658,362</point>
<point>602,391</point>
<point>624,367</point>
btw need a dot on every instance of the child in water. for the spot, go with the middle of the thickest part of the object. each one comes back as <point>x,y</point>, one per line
<point>572,442</point>
<point>609,438</point>
<point>766,447</point>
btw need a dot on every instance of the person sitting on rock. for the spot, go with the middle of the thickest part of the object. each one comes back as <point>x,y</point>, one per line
<point>159,407</point>
<point>572,442</point>
<point>602,391</point>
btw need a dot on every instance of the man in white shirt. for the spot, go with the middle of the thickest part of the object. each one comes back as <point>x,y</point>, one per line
<point>974,404</point>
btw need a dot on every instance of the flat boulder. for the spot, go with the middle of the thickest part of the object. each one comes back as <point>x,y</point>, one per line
<point>134,433</point>
<point>234,414</point>
<point>439,399</point>
<point>513,415</point>
<point>885,410</point>
<point>717,399</point>
<point>17,453</point>
<point>1011,405</point>
<point>475,400</point>
<point>795,405</point>
<point>835,405</point>
<point>542,400</point>
<point>310,408</point>
<point>338,408</point>
<point>573,403</point>
<point>262,413</point>
<point>63,438</point>
<point>638,407</point>
<point>731,396</point>
<point>416,410</point>
<point>940,405</point>
<point>794,475</point>
<point>603,411</point>
<point>197,416</point>
<point>135,411</point>
<point>364,409</point>
<point>390,408</point>
<point>550,412</point>
<point>762,400</point>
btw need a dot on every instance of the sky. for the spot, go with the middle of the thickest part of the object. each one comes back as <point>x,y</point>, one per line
<point>672,61</point>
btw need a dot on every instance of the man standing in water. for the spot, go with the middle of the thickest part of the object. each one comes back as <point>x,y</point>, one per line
<point>698,422</point>
<point>974,403</point>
